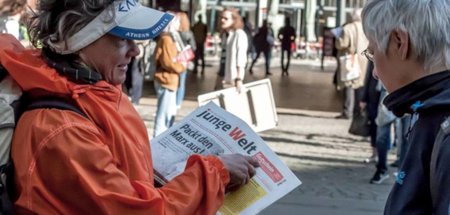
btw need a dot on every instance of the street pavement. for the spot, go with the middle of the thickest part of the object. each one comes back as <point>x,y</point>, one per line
<point>315,145</point>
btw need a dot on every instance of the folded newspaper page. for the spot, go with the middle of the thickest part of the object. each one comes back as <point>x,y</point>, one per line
<point>211,130</point>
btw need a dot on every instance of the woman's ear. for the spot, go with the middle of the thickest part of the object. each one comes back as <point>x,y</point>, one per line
<point>400,40</point>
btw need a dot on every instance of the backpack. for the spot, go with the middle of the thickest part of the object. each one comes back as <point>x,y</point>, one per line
<point>270,39</point>
<point>12,105</point>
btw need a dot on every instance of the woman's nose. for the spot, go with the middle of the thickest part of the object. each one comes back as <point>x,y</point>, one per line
<point>134,49</point>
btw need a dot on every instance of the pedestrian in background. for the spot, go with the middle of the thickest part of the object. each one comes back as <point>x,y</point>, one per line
<point>200,31</point>
<point>352,41</point>
<point>104,165</point>
<point>385,121</point>
<point>167,76</point>
<point>187,38</point>
<point>369,103</point>
<point>286,35</point>
<point>248,28</point>
<point>234,50</point>
<point>134,80</point>
<point>263,41</point>
<point>409,43</point>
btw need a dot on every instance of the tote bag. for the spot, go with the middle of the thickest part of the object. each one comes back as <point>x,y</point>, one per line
<point>350,69</point>
<point>349,64</point>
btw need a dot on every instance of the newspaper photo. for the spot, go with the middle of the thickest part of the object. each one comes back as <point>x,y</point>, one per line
<point>211,130</point>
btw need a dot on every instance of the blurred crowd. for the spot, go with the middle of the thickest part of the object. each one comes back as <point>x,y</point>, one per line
<point>387,80</point>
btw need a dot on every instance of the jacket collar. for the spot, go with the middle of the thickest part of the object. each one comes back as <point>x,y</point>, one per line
<point>430,91</point>
<point>70,67</point>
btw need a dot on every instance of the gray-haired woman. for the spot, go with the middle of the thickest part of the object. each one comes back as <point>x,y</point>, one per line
<point>99,163</point>
<point>409,43</point>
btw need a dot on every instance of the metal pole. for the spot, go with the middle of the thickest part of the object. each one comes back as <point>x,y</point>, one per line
<point>242,9</point>
<point>258,9</point>
<point>190,13</point>
<point>310,15</point>
<point>273,10</point>
<point>213,16</point>
<point>298,25</point>
<point>340,13</point>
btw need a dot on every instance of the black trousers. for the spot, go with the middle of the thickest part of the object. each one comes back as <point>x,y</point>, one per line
<point>283,66</point>
<point>199,55</point>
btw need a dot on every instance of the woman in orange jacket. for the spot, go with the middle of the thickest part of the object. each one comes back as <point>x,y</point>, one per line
<point>66,163</point>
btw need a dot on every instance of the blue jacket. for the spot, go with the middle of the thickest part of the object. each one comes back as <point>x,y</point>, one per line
<point>428,100</point>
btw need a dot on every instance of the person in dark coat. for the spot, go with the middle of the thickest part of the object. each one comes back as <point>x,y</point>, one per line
<point>412,60</point>
<point>263,42</point>
<point>287,36</point>
<point>200,31</point>
<point>369,103</point>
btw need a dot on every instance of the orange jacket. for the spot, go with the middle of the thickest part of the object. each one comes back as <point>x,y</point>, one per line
<point>67,164</point>
<point>167,69</point>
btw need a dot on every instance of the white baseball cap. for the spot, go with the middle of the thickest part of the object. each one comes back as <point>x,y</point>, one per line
<point>126,19</point>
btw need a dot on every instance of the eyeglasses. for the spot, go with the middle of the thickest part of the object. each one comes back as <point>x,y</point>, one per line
<point>367,54</point>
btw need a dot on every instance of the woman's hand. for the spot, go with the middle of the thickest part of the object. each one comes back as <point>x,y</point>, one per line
<point>241,168</point>
<point>185,64</point>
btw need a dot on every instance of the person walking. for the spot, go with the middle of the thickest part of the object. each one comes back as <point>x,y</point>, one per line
<point>248,28</point>
<point>351,42</point>
<point>200,31</point>
<point>234,50</point>
<point>99,162</point>
<point>287,36</point>
<point>187,39</point>
<point>409,44</point>
<point>263,41</point>
<point>167,76</point>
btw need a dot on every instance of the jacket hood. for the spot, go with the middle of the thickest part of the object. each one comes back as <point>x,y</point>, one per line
<point>32,73</point>
<point>430,92</point>
<point>28,69</point>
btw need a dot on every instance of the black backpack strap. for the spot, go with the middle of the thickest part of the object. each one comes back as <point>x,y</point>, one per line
<point>55,103</point>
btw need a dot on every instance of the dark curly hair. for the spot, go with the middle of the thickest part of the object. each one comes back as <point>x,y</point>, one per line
<point>57,20</point>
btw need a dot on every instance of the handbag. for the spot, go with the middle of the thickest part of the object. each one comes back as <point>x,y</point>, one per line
<point>185,52</point>
<point>186,55</point>
<point>360,125</point>
<point>270,38</point>
<point>349,67</point>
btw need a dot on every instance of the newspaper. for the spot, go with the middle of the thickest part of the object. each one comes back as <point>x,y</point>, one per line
<point>211,130</point>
